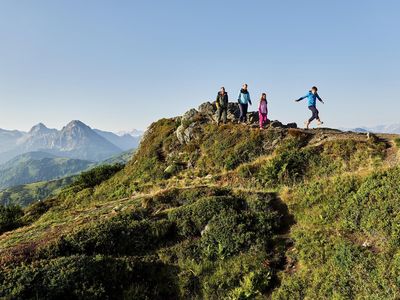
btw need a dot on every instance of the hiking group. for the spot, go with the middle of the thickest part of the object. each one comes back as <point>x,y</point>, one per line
<point>244,100</point>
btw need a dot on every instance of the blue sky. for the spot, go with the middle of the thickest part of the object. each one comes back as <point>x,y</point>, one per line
<point>123,64</point>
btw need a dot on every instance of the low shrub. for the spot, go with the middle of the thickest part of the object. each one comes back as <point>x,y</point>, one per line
<point>228,225</point>
<point>95,176</point>
<point>34,211</point>
<point>10,217</point>
<point>121,235</point>
<point>287,167</point>
<point>246,276</point>
<point>192,219</point>
<point>397,142</point>
<point>89,277</point>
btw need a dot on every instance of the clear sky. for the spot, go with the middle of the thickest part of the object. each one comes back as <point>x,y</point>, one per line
<point>122,64</point>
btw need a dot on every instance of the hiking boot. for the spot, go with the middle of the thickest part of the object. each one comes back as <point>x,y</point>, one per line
<point>319,122</point>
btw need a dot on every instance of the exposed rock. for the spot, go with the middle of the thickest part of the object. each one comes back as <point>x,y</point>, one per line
<point>207,113</point>
<point>372,137</point>
<point>206,228</point>
<point>207,108</point>
<point>180,134</point>
<point>366,244</point>
<point>189,115</point>
<point>291,125</point>
<point>233,112</point>
<point>276,124</point>
<point>252,117</point>
<point>185,134</point>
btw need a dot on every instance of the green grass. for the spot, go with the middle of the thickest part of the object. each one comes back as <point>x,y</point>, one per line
<point>397,142</point>
<point>288,213</point>
<point>347,236</point>
<point>226,229</point>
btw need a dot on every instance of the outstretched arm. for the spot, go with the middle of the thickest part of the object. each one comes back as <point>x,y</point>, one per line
<point>319,98</point>
<point>301,98</point>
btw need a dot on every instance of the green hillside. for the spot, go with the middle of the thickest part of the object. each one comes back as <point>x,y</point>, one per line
<point>38,166</point>
<point>121,158</point>
<point>207,212</point>
<point>26,194</point>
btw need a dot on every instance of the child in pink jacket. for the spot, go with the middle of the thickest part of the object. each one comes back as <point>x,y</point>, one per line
<point>263,110</point>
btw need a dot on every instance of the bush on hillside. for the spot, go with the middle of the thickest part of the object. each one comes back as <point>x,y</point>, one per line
<point>287,167</point>
<point>245,276</point>
<point>397,142</point>
<point>192,219</point>
<point>90,277</point>
<point>95,176</point>
<point>125,234</point>
<point>34,211</point>
<point>226,148</point>
<point>10,217</point>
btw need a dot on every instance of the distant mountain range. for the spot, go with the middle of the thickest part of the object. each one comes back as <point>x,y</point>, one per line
<point>75,140</point>
<point>393,128</point>
<point>133,132</point>
<point>124,142</point>
<point>44,154</point>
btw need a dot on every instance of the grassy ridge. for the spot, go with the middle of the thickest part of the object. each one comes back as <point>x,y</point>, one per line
<point>235,213</point>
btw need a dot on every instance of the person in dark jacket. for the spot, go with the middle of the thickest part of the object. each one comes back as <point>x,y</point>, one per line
<point>244,101</point>
<point>312,97</point>
<point>222,105</point>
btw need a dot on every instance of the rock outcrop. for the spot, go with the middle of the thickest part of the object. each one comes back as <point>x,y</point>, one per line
<point>207,113</point>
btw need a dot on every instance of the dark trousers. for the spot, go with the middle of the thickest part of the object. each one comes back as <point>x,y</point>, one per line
<point>222,112</point>
<point>315,113</point>
<point>243,112</point>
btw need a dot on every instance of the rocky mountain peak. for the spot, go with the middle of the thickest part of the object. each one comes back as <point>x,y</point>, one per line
<point>76,124</point>
<point>39,128</point>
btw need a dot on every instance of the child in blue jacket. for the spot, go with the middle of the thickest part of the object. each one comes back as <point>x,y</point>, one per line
<point>244,101</point>
<point>312,97</point>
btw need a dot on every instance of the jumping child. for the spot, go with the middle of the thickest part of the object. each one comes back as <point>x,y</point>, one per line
<point>263,110</point>
<point>312,97</point>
